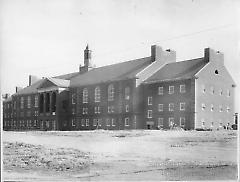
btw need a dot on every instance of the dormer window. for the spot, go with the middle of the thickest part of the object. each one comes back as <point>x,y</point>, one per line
<point>216,72</point>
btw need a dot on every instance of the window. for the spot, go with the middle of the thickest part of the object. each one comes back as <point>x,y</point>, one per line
<point>36,101</point>
<point>73,98</point>
<point>171,107</point>
<point>28,102</point>
<point>73,122</point>
<point>99,122</point>
<point>228,93</point>
<point>160,90</point>
<point>108,122</point>
<point>212,108</point>
<point>82,122</point>
<point>182,121</point>
<point>212,90</point>
<point>97,94</point>
<point>203,123</point>
<point>94,122</point>
<point>126,121</point>
<point>212,124</point>
<point>160,107</point>
<point>113,122</point>
<point>203,106</point>
<point>160,122</point>
<point>171,122</point>
<point>171,90</point>
<point>127,108</point>
<point>110,92</point>
<point>85,110</point>
<point>35,123</point>
<point>110,109</point>
<point>97,110</point>
<point>182,88</point>
<point>85,95</point>
<point>182,106</point>
<point>14,105</point>
<point>22,103</point>
<point>87,122</point>
<point>149,100</point>
<point>220,92</point>
<point>149,114</point>
<point>127,93</point>
<point>220,108</point>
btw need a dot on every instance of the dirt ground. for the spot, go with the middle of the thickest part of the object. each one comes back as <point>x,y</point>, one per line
<point>137,155</point>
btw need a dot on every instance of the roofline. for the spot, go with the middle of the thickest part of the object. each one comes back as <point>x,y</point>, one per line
<point>168,80</point>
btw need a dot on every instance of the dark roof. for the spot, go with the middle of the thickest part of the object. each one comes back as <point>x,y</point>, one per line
<point>178,70</point>
<point>67,76</point>
<point>119,71</point>
<point>56,81</point>
<point>30,89</point>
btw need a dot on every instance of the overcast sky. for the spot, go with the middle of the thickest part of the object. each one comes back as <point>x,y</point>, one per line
<point>47,37</point>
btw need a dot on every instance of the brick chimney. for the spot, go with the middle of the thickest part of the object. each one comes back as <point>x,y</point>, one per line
<point>18,89</point>
<point>210,55</point>
<point>32,79</point>
<point>158,54</point>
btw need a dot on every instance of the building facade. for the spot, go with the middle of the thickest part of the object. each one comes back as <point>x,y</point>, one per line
<point>147,93</point>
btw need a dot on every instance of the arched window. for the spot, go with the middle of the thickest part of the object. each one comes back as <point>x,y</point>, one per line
<point>85,95</point>
<point>97,94</point>
<point>127,93</point>
<point>110,92</point>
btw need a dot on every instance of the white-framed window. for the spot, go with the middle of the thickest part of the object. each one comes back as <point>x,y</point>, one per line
<point>127,108</point>
<point>171,122</point>
<point>28,101</point>
<point>228,93</point>
<point>73,122</point>
<point>97,110</point>
<point>160,90</point>
<point>99,122</point>
<point>160,122</point>
<point>182,121</point>
<point>107,122</point>
<point>82,122</point>
<point>228,109</point>
<point>14,123</point>
<point>182,88</point>
<point>212,90</point>
<point>160,107</point>
<point>171,107</point>
<point>113,122</point>
<point>182,106</point>
<point>35,122</point>
<point>97,94</point>
<point>203,106</point>
<point>220,108</point>
<point>149,100</point>
<point>85,95</point>
<point>127,93</point>
<point>126,121</point>
<point>171,89</point>
<point>110,92</point>
<point>73,98</point>
<point>36,101</point>
<point>87,122</point>
<point>220,92</point>
<point>212,107</point>
<point>22,102</point>
<point>85,110</point>
<point>149,114</point>
<point>110,109</point>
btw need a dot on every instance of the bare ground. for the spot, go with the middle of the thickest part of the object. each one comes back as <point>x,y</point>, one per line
<point>120,155</point>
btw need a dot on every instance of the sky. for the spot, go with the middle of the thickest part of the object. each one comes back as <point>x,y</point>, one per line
<point>47,37</point>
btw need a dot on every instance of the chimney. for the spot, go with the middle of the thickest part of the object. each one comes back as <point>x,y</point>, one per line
<point>210,55</point>
<point>18,89</point>
<point>5,96</point>
<point>32,79</point>
<point>158,54</point>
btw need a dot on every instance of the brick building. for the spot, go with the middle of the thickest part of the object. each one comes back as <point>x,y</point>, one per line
<point>151,92</point>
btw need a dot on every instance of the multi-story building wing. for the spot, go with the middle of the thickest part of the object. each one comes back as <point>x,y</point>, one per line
<point>146,93</point>
<point>190,94</point>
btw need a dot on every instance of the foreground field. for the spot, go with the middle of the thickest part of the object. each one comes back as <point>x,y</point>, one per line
<point>120,155</point>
